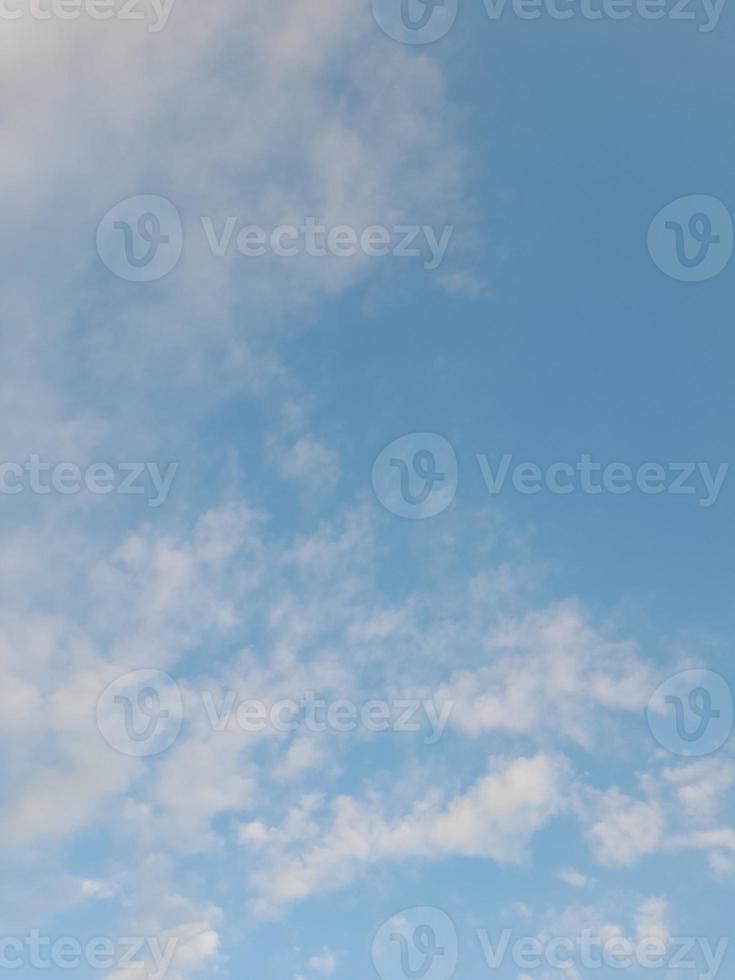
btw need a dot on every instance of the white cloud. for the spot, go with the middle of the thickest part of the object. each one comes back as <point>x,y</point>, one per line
<point>97,889</point>
<point>679,807</point>
<point>719,843</point>
<point>495,819</point>
<point>522,910</point>
<point>625,829</point>
<point>574,878</point>
<point>550,671</point>
<point>324,963</point>
<point>651,919</point>
<point>290,112</point>
<point>701,787</point>
<point>637,919</point>
<point>310,463</point>
<point>176,955</point>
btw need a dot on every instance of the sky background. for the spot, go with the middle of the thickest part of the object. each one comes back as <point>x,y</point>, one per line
<point>272,568</point>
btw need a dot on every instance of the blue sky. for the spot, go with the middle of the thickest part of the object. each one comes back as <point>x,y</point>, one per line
<point>542,784</point>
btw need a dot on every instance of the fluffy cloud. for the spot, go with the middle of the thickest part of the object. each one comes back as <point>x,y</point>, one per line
<point>324,963</point>
<point>495,819</point>
<point>176,954</point>
<point>213,112</point>
<point>574,878</point>
<point>677,807</point>
<point>550,671</point>
<point>625,828</point>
